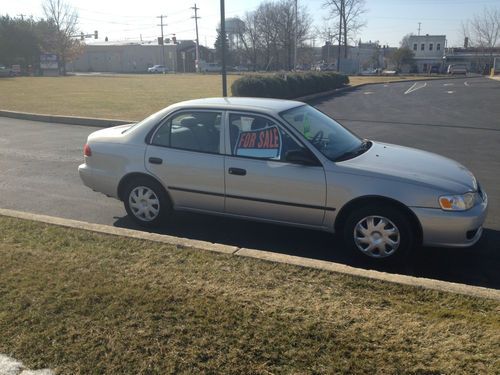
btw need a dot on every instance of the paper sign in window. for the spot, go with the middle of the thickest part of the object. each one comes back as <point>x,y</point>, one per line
<point>261,143</point>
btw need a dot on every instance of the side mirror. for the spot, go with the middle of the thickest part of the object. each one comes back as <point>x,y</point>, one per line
<point>302,156</point>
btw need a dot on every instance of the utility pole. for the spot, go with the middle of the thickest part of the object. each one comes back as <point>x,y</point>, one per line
<point>223,41</point>
<point>162,39</point>
<point>197,64</point>
<point>420,23</point>
<point>295,38</point>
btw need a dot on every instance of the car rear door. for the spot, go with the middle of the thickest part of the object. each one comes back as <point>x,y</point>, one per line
<point>260,183</point>
<point>186,154</point>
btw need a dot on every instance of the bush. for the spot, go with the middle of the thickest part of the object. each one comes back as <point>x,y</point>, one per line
<point>287,85</point>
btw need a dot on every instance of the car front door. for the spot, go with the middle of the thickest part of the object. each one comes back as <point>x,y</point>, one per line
<point>186,154</point>
<point>261,183</point>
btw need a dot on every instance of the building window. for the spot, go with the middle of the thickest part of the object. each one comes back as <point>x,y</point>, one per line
<point>414,46</point>
<point>438,47</point>
<point>430,46</point>
<point>422,47</point>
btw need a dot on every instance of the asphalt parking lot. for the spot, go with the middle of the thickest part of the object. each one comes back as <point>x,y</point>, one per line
<point>458,118</point>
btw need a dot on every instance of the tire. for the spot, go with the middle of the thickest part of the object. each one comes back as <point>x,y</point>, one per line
<point>379,232</point>
<point>146,202</point>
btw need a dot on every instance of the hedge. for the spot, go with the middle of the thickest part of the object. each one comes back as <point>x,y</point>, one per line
<point>287,85</point>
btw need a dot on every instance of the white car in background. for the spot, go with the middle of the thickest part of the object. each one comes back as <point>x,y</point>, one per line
<point>158,69</point>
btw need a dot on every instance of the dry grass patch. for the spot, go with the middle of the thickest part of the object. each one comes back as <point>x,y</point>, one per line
<point>84,303</point>
<point>128,97</point>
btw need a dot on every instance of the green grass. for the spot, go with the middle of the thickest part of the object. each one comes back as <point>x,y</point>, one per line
<point>84,303</point>
<point>127,97</point>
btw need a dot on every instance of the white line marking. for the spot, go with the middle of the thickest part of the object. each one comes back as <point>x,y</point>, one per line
<point>466,83</point>
<point>368,92</point>
<point>386,85</point>
<point>414,87</point>
<point>450,92</point>
<point>448,84</point>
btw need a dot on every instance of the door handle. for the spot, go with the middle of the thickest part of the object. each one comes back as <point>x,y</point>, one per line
<point>155,160</point>
<point>237,171</point>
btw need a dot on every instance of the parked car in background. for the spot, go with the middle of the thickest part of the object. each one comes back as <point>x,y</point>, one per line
<point>158,69</point>
<point>6,72</point>
<point>210,67</point>
<point>457,69</point>
<point>285,162</point>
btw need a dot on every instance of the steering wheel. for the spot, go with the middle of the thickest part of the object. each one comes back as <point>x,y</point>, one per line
<point>317,137</point>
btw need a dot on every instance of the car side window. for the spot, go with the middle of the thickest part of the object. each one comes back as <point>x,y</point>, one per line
<point>191,130</point>
<point>258,137</point>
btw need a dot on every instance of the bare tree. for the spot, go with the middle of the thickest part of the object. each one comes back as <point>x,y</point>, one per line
<point>405,42</point>
<point>483,30</point>
<point>349,13</point>
<point>65,20</point>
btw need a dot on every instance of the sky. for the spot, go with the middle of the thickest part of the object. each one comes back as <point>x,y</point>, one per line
<point>387,21</point>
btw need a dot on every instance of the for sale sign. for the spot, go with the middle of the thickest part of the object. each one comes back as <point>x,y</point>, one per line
<point>261,143</point>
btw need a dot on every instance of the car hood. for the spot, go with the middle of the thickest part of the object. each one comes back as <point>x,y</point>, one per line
<point>413,166</point>
<point>112,134</point>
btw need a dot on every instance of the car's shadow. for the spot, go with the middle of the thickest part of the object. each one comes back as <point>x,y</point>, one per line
<point>477,265</point>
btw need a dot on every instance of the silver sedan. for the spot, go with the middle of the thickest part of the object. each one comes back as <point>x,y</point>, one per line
<point>285,162</point>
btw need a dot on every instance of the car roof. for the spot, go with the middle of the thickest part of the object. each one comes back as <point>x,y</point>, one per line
<point>242,103</point>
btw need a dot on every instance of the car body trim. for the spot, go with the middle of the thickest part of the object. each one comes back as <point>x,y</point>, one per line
<point>253,199</point>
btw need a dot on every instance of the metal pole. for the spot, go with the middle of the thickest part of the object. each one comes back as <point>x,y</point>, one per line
<point>295,39</point>
<point>223,41</point>
<point>340,33</point>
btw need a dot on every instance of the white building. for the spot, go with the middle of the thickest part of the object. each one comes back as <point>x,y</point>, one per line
<point>428,50</point>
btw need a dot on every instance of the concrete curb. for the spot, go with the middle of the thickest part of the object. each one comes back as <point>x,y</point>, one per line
<point>68,120</point>
<point>443,286</point>
<point>104,123</point>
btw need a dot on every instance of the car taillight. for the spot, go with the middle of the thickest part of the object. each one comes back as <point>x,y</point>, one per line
<point>86,150</point>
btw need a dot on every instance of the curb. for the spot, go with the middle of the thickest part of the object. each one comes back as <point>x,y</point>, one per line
<point>104,123</point>
<point>68,120</point>
<point>443,286</point>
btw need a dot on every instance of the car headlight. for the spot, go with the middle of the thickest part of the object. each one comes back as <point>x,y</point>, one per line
<point>459,202</point>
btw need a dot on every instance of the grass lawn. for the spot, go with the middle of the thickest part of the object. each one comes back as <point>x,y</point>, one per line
<point>127,97</point>
<point>80,302</point>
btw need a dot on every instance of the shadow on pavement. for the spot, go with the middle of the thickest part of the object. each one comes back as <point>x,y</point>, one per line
<point>478,265</point>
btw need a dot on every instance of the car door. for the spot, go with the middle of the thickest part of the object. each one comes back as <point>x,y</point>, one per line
<point>186,154</point>
<point>260,183</point>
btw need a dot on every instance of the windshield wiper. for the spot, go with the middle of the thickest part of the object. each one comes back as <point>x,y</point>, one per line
<point>363,147</point>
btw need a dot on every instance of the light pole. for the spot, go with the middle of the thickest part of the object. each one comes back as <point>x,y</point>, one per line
<point>295,39</point>
<point>223,48</point>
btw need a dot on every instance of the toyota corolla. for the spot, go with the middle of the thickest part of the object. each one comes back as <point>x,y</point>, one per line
<point>285,162</point>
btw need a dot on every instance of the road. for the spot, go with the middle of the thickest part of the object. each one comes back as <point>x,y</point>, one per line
<point>457,118</point>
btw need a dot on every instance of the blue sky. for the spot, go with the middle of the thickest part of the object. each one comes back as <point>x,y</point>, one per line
<point>387,20</point>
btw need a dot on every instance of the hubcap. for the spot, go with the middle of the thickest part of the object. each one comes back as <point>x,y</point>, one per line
<point>376,236</point>
<point>144,203</point>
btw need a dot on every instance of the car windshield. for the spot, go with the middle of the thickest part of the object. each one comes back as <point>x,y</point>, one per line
<point>325,134</point>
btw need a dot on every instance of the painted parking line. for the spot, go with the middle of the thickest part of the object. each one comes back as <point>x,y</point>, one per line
<point>466,84</point>
<point>450,92</point>
<point>415,87</point>
<point>448,84</point>
<point>368,92</point>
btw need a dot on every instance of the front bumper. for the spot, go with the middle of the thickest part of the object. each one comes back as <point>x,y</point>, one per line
<point>452,229</point>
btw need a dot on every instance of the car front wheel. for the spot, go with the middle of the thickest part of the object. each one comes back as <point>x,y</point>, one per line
<point>379,232</point>
<point>146,202</point>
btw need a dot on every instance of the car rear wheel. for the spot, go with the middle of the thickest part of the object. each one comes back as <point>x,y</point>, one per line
<point>379,232</point>
<point>146,202</point>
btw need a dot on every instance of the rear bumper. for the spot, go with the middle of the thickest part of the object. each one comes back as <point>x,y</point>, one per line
<point>451,229</point>
<point>98,180</point>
